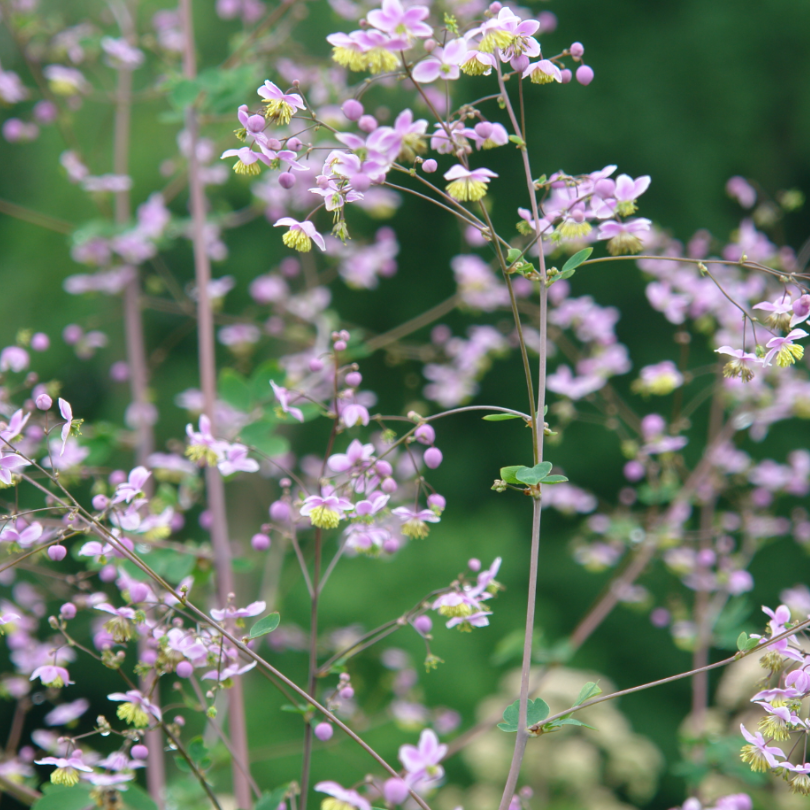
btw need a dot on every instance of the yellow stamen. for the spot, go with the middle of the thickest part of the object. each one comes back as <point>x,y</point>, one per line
<point>466,190</point>
<point>297,240</point>
<point>324,517</point>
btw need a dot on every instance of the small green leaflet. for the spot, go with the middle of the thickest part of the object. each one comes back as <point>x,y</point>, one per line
<point>508,473</point>
<point>265,625</point>
<point>565,721</point>
<point>744,643</point>
<point>588,691</point>
<point>136,798</point>
<point>270,801</point>
<point>533,475</point>
<point>513,255</point>
<point>536,711</point>
<point>576,260</point>
<point>501,417</point>
<point>554,479</point>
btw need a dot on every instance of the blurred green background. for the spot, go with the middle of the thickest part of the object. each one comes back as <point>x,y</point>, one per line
<point>688,92</point>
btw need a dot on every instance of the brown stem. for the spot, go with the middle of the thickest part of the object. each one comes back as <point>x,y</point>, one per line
<point>214,485</point>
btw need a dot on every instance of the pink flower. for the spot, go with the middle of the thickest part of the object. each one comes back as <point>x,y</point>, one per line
<point>784,349</point>
<point>801,310</point>
<point>247,160</point>
<point>283,397</point>
<point>51,676</point>
<point>301,235</point>
<point>67,415</point>
<point>351,797</point>
<point>325,511</point>
<point>443,63</point>
<point>236,460</point>
<point>253,609</point>
<point>9,465</point>
<point>395,20</point>
<point>423,762</point>
<point>133,486</point>
<point>543,72</point>
<point>280,106</point>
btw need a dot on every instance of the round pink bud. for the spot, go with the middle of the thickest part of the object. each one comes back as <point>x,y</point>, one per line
<point>324,731</point>
<point>474,564</point>
<point>57,553</point>
<point>139,752</point>
<point>286,180</point>
<point>260,542</point>
<point>138,592</point>
<point>184,669</point>
<point>495,6</point>
<point>566,75</point>
<point>368,123</point>
<point>584,75</point>
<point>72,333</point>
<point>436,501</point>
<point>119,371</point>
<point>652,425</point>
<point>100,502</point>
<point>430,166</point>
<point>391,545</point>
<point>604,187</point>
<point>430,44</point>
<point>353,379</point>
<point>660,617</point>
<point>548,21</point>
<point>634,471</point>
<point>68,610</point>
<point>340,345</point>
<point>289,266</point>
<point>46,112</point>
<point>347,693</point>
<point>433,457</point>
<point>425,434</point>
<point>344,335</point>
<point>44,402</point>
<point>423,625</point>
<point>273,143</point>
<point>395,790</point>
<point>206,519</point>
<point>383,468</point>
<point>280,511</point>
<point>117,477</point>
<point>316,364</point>
<point>108,574</point>
<point>352,109</point>
<point>577,49</point>
<point>294,144</point>
<point>519,63</point>
<point>706,557</point>
<point>40,342</point>
<point>388,486</point>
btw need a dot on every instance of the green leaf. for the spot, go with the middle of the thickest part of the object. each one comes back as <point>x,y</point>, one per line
<point>536,711</point>
<point>181,764</point>
<point>516,139</point>
<point>59,797</point>
<point>567,721</point>
<point>136,798</point>
<point>265,625</point>
<point>576,260</point>
<point>554,479</point>
<point>197,749</point>
<point>744,643</point>
<point>513,255</point>
<point>588,691</point>
<point>260,435</point>
<point>533,475</point>
<point>508,473</point>
<point>501,417</point>
<point>270,801</point>
<point>242,565</point>
<point>235,390</point>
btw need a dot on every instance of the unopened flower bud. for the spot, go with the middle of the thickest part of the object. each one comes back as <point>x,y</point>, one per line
<point>324,731</point>
<point>437,502</point>
<point>383,467</point>
<point>286,180</point>
<point>423,624</point>
<point>108,574</point>
<point>388,486</point>
<point>433,457</point>
<point>40,342</point>
<point>566,75</point>
<point>347,693</point>
<point>340,345</point>
<point>353,379</point>
<point>294,144</point>
<point>117,477</point>
<point>280,511</point>
<point>391,545</point>
<point>138,592</point>
<point>184,669</point>
<point>316,364</point>
<point>430,44</point>
<point>577,49</point>
<point>474,564</point>
<point>352,109</point>
<point>395,790</point>
<point>584,75</point>
<point>260,542</point>
<point>430,166</point>
<point>139,752</point>
<point>44,402</point>
<point>368,123</point>
<point>100,502</point>
<point>425,434</point>
<point>68,610</point>
<point>57,553</point>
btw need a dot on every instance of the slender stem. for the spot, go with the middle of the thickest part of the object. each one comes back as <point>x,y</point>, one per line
<point>398,332</point>
<point>214,485</point>
<point>35,218</point>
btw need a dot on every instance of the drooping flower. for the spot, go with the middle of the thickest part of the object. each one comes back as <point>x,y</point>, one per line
<point>57,677</point>
<point>758,754</point>
<point>443,62</point>
<point>414,521</point>
<point>280,106</point>
<point>65,773</point>
<point>135,708</point>
<point>543,72</point>
<point>623,236</point>
<point>301,235</point>
<point>253,609</point>
<point>283,397</point>
<point>627,191</point>
<point>326,511</point>
<point>203,448</point>
<point>659,379</point>
<point>133,486</point>
<point>341,798</point>
<point>237,460</point>
<point>248,162</point>
<point>466,185</point>
<point>422,762</point>
<point>781,311</point>
<point>120,626</point>
<point>67,415</point>
<point>784,349</point>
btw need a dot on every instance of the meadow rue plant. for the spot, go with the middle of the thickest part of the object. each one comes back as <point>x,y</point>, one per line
<point>95,519</point>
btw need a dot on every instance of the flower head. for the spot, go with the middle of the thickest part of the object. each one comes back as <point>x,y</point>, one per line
<point>414,521</point>
<point>301,235</point>
<point>135,708</point>
<point>280,106</point>
<point>283,397</point>
<point>423,761</point>
<point>738,365</point>
<point>326,511</point>
<point>784,349</point>
<point>65,773</point>
<point>759,755</point>
<point>341,798</point>
<point>57,677</point>
<point>466,185</point>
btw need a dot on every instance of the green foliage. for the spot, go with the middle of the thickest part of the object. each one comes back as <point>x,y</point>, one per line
<point>265,625</point>
<point>575,261</point>
<point>588,691</point>
<point>500,417</point>
<point>136,798</point>
<point>531,476</point>
<point>59,797</point>
<point>173,566</point>
<point>744,643</point>
<point>536,711</point>
<point>270,801</point>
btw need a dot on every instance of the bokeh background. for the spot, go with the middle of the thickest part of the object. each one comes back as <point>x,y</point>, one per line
<point>686,91</point>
